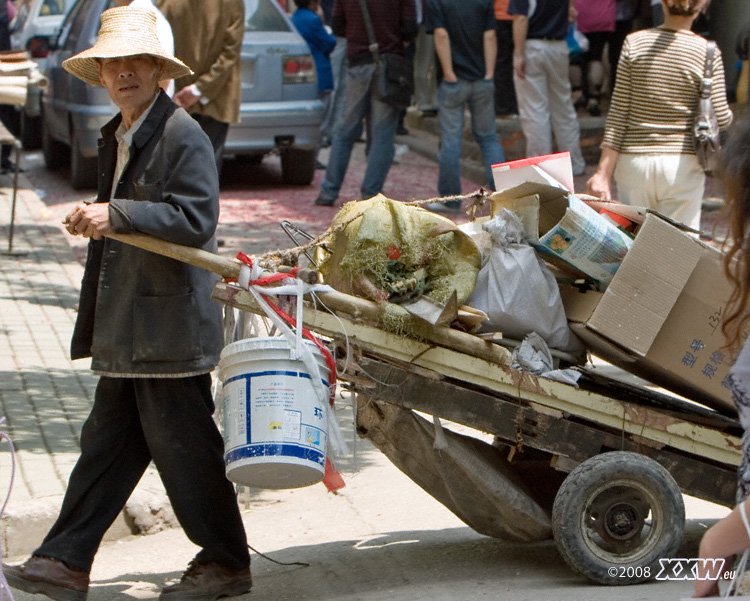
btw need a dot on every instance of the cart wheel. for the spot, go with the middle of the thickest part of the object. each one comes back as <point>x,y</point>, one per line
<point>616,515</point>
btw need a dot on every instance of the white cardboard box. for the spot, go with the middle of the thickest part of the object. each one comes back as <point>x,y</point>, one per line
<point>661,316</point>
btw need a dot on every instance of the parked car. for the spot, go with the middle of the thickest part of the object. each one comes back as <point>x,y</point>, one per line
<point>280,110</point>
<point>35,18</point>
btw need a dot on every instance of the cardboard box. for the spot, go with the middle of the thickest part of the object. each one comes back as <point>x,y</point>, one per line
<point>552,169</point>
<point>661,316</point>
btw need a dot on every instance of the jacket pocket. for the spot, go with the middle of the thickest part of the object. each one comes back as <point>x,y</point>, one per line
<point>165,328</point>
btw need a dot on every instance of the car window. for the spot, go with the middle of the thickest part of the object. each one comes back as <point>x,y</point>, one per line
<point>263,15</point>
<point>52,7</point>
<point>74,27</point>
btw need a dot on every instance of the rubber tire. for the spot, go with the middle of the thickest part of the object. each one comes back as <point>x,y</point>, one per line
<point>607,472</point>
<point>31,132</point>
<point>298,166</point>
<point>56,154</point>
<point>83,170</point>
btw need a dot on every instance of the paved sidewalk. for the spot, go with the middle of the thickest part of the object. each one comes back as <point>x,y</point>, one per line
<point>44,396</point>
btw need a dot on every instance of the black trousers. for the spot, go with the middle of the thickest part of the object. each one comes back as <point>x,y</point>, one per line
<point>217,132</point>
<point>132,422</point>
<point>505,89</point>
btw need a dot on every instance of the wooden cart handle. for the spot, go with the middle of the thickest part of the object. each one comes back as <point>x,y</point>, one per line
<point>223,266</point>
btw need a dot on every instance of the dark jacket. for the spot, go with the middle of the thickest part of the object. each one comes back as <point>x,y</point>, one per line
<point>139,312</point>
<point>394,22</point>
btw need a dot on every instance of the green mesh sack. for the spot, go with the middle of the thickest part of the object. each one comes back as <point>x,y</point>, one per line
<point>385,250</point>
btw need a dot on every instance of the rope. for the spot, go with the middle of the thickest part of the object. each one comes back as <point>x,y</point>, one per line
<point>477,199</point>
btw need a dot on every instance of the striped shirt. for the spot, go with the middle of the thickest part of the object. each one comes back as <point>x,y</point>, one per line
<point>656,92</point>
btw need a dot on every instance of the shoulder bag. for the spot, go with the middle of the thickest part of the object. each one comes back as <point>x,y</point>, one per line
<point>706,137</point>
<point>394,73</point>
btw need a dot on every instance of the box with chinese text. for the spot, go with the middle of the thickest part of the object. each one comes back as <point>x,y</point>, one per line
<point>661,316</point>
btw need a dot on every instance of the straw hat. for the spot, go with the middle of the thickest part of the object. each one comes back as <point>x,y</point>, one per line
<point>125,31</point>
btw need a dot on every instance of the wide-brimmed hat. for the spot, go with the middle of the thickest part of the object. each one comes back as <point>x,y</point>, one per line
<point>125,31</point>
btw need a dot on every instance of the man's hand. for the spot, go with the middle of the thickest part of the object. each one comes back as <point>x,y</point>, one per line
<point>89,220</point>
<point>185,98</point>
<point>519,65</point>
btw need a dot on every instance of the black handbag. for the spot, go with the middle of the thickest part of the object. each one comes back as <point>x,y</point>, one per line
<point>706,135</point>
<point>394,73</point>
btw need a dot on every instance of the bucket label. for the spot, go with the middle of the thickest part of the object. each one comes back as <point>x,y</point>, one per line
<point>269,410</point>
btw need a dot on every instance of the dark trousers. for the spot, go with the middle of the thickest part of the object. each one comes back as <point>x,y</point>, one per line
<point>217,132</point>
<point>132,422</point>
<point>505,90</point>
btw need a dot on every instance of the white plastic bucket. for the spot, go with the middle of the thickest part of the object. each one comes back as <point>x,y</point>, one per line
<point>275,430</point>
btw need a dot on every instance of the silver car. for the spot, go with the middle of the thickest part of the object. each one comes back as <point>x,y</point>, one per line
<point>280,110</point>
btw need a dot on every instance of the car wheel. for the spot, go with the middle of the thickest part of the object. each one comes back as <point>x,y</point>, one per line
<point>56,154</point>
<point>31,132</point>
<point>297,166</point>
<point>83,169</point>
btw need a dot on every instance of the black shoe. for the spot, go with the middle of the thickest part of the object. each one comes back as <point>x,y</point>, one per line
<point>322,201</point>
<point>8,166</point>
<point>319,166</point>
<point>594,109</point>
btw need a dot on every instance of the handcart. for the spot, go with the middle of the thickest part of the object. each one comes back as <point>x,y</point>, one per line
<point>600,466</point>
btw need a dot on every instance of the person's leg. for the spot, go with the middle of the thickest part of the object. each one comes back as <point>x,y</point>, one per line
<point>681,183</point>
<point>483,126</point>
<point>481,105</point>
<point>382,128</point>
<point>114,456</point>
<point>348,131</point>
<point>595,70</point>
<point>325,99</point>
<point>338,99</point>
<point>634,177</point>
<point>562,114</point>
<point>451,100</point>
<point>533,100</point>
<point>188,451</point>
<point>217,133</point>
<point>505,91</point>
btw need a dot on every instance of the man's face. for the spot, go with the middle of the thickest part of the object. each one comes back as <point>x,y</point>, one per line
<point>131,80</point>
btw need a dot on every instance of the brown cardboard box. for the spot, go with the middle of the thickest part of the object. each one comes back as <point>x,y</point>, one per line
<point>661,316</point>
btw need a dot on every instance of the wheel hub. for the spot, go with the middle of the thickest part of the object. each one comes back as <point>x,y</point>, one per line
<point>623,521</point>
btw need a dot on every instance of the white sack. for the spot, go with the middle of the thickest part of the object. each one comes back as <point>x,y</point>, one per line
<point>516,289</point>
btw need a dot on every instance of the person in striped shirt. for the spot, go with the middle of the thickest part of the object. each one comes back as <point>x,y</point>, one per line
<point>648,143</point>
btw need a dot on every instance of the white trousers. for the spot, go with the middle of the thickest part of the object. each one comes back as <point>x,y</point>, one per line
<point>545,105</point>
<point>672,184</point>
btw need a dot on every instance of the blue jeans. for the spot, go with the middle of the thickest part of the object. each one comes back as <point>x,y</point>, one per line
<point>452,97</point>
<point>361,102</point>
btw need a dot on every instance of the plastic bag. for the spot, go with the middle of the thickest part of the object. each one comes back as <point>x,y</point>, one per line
<point>577,42</point>
<point>516,289</point>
